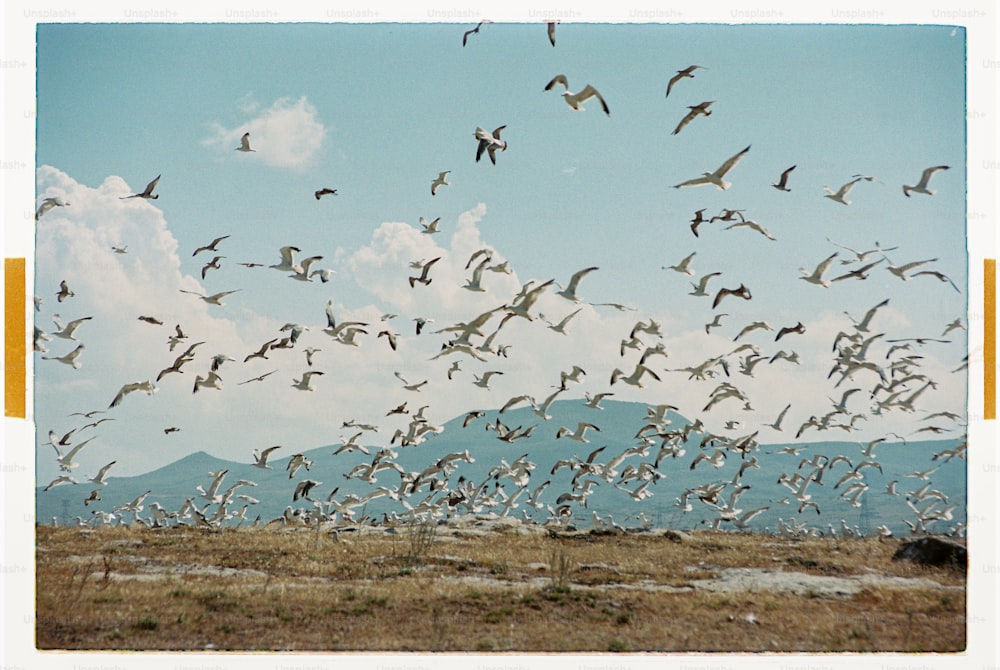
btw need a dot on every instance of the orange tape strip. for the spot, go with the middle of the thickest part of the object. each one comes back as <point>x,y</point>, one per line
<point>990,338</point>
<point>15,351</point>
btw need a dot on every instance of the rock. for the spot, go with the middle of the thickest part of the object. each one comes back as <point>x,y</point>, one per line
<point>676,536</point>
<point>934,551</point>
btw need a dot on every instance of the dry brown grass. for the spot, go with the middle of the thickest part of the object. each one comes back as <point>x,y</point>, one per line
<point>108,589</point>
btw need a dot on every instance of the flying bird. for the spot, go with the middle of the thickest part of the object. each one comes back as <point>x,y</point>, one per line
<point>576,100</point>
<point>490,143</point>
<point>430,228</point>
<point>151,319</point>
<point>66,332</point>
<point>473,31</point>
<point>717,176</point>
<point>740,292</point>
<point>325,191</point>
<point>287,263</point>
<point>260,457</point>
<point>698,219</point>
<point>424,269</point>
<point>245,143</point>
<point>48,204</point>
<point>68,359</point>
<point>699,288</point>
<point>684,267</point>
<point>147,387</point>
<point>925,177</point>
<point>305,383</point>
<point>701,109</point>
<point>681,74</point>
<point>752,225</point>
<point>440,181</point>
<point>841,195</point>
<point>212,381</point>
<point>210,246</point>
<point>816,276</point>
<point>211,265</point>
<point>550,27</point>
<point>214,299</point>
<point>782,184</point>
<point>259,378</point>
<point>147,193</point>
<point>788,330</point>
<point>64,291</point>
<point>570,291</point>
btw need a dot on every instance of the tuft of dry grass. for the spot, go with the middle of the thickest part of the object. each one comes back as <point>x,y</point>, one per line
<point>245,589</point>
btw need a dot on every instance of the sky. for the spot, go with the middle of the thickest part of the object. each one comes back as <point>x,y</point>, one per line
<point>377,111</point>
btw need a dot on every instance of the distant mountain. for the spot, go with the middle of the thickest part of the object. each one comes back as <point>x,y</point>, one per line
<point>618,425</point>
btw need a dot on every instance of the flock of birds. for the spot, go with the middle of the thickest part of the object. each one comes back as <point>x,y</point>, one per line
<point>874,372</point>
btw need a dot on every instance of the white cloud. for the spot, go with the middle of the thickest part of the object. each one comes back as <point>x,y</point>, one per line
<point>288,134</point>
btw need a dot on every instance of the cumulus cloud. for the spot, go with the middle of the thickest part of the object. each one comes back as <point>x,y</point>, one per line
<point>288,134</point>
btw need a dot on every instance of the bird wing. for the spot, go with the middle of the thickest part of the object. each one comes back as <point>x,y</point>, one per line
<point>558,79</point>
<point>591,92</point>
<point>784,177</point>
<point>728,165</point>
<point>151,185</point>
<point>686,120</point>
<point>928,173</point>
<point>577,276</point>
<point>693,182</point>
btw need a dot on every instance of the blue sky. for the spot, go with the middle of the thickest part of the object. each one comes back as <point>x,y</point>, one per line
<point>376,111</point>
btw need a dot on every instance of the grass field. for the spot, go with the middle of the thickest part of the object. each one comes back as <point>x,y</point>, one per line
<point>480,589</point>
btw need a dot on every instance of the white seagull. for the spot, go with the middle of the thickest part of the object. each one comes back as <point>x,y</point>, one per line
<point>816,276</point>
<point>245,143</point>
<point>213,380</point>
<point>305,384</point>
<point>440,181</point>
<point>215,298</point>
<point>210,246</point>
<point>146,386</point>
<point>925,177</point>
<point>147,193</point>
<point>490,143</point>
<point>576,100</point>
<point>66,332</point>
<point>68,359</point>
<point>287,263</point>
<point>684,267</point>
<point>260,457</point>
<point>841,195</point>
<point>98,479</point>
<point>432,227</point>
<point>570,291</point>
<point>48,204</point>
<point>578,434</point>
<point>782,184</point>
<point>717,176</point>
